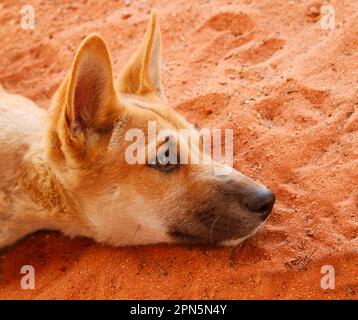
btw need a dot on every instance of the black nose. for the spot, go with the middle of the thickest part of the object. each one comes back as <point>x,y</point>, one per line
<point>261,202</point>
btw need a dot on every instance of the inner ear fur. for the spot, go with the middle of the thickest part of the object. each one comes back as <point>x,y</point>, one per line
<point>91,101</point>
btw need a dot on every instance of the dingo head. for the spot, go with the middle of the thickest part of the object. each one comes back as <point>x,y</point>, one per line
<point>123,203</point>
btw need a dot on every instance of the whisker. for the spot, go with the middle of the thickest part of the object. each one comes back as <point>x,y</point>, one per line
<point>212,228</point>
<point>135,233</point>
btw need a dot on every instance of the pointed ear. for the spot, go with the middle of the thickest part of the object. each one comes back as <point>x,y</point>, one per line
<point>91,97</point>
<point>141,76</point>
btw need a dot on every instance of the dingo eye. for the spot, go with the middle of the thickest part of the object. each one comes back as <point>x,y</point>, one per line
<point>163,163</point>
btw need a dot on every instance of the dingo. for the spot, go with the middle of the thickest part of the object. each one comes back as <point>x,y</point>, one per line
<point>66,169</point>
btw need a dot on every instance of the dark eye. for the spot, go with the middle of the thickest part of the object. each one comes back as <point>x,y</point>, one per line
<point>162,163</point>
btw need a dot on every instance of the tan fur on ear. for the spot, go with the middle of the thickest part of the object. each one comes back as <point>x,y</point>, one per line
<point>86,105</point>
<point>141,76</point>
<point>90,92</point>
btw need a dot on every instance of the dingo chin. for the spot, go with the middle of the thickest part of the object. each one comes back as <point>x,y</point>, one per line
<point>66,169</point>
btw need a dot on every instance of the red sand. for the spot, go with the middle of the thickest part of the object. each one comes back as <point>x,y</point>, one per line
<point>262,67</point>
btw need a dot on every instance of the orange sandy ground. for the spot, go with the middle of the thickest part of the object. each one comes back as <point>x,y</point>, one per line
<point>262,67</point>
